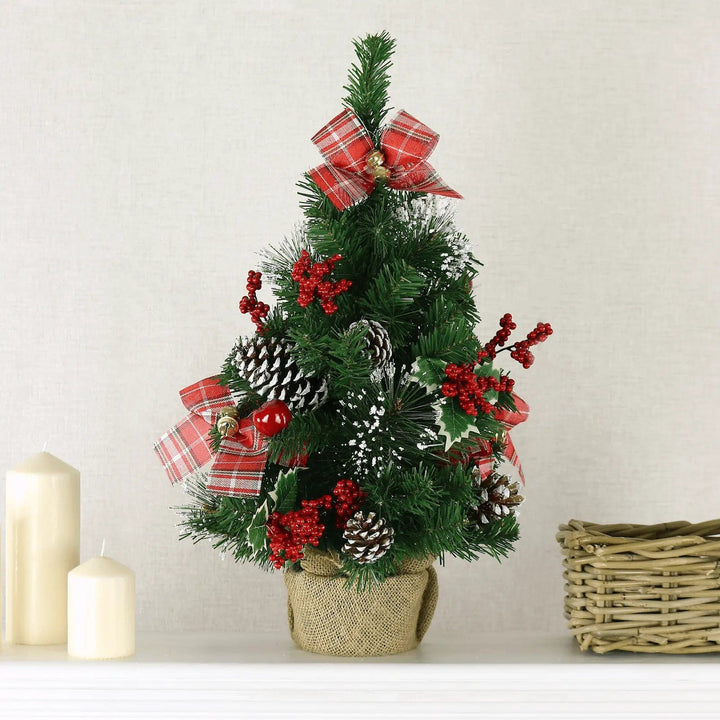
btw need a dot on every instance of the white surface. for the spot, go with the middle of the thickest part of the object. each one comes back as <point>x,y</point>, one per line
<point>148,150</point>
<point>265,676</point>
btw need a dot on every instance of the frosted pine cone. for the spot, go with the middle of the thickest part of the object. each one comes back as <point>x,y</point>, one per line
<point>498,496</point>
<point>378,341</point>
<point>272,371</point>
<point>367,539</point>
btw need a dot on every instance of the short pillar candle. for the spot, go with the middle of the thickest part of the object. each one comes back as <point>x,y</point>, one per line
<point>101,610</point>
<point>42,526</point>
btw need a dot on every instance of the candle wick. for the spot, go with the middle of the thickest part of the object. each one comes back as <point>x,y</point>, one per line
<point>45,446</point>
<point>102,549</point>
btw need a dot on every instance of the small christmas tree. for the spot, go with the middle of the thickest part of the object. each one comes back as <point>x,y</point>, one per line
<point>364,416</point>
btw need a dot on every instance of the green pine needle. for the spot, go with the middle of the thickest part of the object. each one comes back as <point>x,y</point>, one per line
<point>369,80</point>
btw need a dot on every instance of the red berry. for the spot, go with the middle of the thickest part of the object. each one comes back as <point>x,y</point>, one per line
<point>250,304</point>
<point>310,279</point>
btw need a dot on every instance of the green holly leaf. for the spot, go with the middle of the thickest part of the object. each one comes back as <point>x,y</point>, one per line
<point>284,496</point>
<point>281,499</point>
<point>455,424</point>
<point>486,371</point>
<point>428,372</point>
<point>257,532</point>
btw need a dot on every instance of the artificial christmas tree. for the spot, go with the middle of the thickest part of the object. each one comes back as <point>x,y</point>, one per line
<point>348,440</point>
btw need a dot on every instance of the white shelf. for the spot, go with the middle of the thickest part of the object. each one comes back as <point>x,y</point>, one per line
<point>264,676</point>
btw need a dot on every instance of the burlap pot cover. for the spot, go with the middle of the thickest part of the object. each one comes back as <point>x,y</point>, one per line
<point>328,617</point>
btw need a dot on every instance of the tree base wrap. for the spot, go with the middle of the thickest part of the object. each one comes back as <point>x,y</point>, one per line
<point>328,617</point>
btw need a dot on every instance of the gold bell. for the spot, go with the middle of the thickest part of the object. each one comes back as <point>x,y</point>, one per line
<point>227,423</point>
<point>375,165</point>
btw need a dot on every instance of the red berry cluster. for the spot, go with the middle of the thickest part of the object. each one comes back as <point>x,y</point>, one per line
<point>519,351</point>
<point>347,498</point>
<point>469,389</point>
<point>288,532</point>
<point>312,285</point>
<point>250,304</point>
<point>499,339</point>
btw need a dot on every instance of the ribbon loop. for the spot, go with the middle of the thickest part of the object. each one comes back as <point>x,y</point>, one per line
<point>509,419</point>
<point>185,449</point>
<point>205,398</point>
<point>353,165</point>
<point>406,142</point>
<point>344,142</point>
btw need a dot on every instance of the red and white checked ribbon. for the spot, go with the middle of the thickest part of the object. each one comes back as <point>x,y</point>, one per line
<point>406,143</point>
<point>509,419</point>
<point>239,464</point>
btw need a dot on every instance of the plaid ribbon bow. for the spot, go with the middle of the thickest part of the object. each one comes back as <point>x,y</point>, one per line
<point>185,449</point>
<point>509,419</point>
<point>352,164</point>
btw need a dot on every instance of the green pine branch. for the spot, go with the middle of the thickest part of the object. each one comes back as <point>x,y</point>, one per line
<point>223,521</point>
<point>369,81</point>
<point>390,299</point>
<point>453,341</point>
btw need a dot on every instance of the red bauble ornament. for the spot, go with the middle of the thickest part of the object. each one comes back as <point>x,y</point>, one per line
<point>272,417</point>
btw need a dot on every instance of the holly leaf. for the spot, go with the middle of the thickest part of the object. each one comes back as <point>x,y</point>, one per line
<point>281,500</point>
<point>486,371</point>
<point>428,372</point>
<point>284,496</point>
<point>455,424</point>
<point>257,532</point>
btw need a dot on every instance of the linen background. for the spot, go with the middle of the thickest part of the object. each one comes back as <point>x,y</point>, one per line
<point>149,150</point>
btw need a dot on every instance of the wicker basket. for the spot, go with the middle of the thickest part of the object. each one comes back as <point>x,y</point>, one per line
<point>643,588</point>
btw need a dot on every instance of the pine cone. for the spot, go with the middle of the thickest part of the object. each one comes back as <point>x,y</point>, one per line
<point>272,371</point>
<point>367,539</point>
<point>498,497</point>
<point>378,341</point>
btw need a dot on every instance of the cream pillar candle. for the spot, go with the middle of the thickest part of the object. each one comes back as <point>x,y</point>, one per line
<point>42,525</point>
<point>101,610</point>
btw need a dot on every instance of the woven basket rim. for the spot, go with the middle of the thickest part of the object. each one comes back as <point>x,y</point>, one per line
<point>706,531</point>
<point>643,588</point>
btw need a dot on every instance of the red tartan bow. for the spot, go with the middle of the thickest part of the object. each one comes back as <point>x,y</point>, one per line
<point>352,163</point>
<point>509,419</point>
<point>185,449</point>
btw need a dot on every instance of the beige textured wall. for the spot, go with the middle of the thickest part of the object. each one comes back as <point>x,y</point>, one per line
<point>149,149</point>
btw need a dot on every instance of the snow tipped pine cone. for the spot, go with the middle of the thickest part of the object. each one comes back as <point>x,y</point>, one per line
<point>367,538</point>
<point>499,497</point>
<point>272,371</point>
<point>378,341</point>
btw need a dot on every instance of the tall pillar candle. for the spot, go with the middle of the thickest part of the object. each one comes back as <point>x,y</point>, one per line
<point>42,525</point>
<point>101,610</point>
